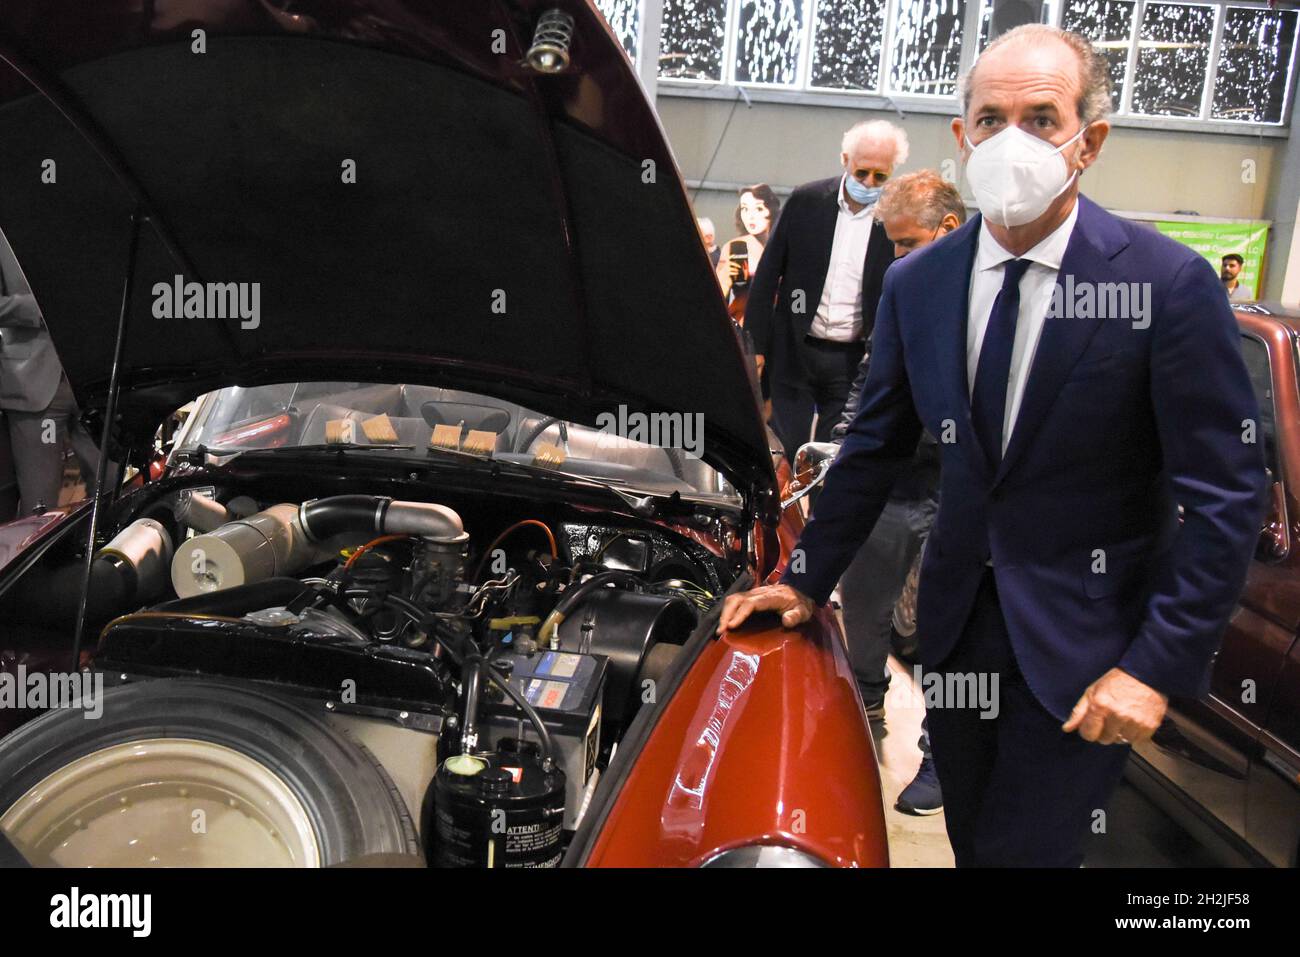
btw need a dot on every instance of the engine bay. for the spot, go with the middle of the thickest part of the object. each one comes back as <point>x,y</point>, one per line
<point>510,651</point>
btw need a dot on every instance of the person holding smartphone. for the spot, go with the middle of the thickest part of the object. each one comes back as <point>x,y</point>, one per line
<point>755,215</point>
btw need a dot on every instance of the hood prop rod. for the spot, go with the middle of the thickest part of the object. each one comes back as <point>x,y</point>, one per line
<point>110,413</point>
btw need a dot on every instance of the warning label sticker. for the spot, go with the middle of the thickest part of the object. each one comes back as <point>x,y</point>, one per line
<point>546,694</point>
<point>559,664</point>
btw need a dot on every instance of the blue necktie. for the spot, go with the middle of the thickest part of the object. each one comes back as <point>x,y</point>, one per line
<point>988,404</point>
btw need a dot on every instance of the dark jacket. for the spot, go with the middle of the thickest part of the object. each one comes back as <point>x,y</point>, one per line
<point>787,285</point>
<point>919,482</point>
<point>1123,422</point>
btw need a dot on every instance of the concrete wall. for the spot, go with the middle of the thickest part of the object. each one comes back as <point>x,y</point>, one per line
<point>1140,170</point>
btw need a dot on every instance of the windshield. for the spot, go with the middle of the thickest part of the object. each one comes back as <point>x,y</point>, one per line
<point>660,456</point>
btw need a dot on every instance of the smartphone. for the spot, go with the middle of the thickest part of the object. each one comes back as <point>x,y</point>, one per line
<point>741,257</point>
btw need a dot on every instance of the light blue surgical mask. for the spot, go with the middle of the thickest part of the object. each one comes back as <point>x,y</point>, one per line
<point>866,195</point>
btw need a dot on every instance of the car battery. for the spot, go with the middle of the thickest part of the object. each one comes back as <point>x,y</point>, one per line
<point>566,690</point>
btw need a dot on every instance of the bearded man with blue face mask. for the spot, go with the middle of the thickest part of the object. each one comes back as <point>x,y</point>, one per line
<point>1101,490</point>
<point>812,302</point>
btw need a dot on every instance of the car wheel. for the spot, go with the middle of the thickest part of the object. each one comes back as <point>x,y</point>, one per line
<point>195,773</point>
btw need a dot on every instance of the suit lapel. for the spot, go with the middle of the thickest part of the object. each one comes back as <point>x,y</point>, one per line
<point>1095,241</point>
<point>827,213</point>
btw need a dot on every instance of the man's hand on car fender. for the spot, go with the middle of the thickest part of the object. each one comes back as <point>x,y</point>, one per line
<point>793,606</point>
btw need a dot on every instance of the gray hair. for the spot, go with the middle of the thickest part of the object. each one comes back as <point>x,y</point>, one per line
<point>705,224</point>
<point>1094,72</point>
<point>878,131</point>
<point>924,195</point>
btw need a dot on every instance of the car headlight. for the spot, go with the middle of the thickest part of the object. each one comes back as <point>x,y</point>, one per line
<point>763,855</point>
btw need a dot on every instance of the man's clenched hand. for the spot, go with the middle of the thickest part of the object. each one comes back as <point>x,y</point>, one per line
<point>1117,709</point>
<point>793,606</point>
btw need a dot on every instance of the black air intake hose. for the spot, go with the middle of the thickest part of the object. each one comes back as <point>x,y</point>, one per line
<point>546,635</point>
<point>50,597</point>
<point>129,570</point>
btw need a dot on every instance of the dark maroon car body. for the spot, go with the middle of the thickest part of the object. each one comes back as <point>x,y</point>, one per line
<point>1233,756</point>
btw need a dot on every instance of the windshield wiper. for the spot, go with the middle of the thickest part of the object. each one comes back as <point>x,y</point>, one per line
<point>199,452</point>
<point>338,447</point>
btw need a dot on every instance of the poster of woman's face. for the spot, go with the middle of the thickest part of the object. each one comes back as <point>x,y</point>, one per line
<point>754,214</point>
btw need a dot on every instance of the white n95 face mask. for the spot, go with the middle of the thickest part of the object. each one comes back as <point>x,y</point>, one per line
<point>1015,176</point>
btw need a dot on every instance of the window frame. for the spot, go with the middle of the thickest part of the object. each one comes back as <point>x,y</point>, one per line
<point>802,65</point>
<point>1212,62</point>
<point>1274,462</point>
<point>963,62</point>
<point>806,83</point>
<point>726,72</point>
<point>1289,90</point>
<point>802,92</point>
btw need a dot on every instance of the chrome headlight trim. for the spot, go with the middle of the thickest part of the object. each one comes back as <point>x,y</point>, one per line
<point>763,855</point>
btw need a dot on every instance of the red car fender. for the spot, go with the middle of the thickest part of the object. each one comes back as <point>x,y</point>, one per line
<point>788,529</point>
<point>764,742</point>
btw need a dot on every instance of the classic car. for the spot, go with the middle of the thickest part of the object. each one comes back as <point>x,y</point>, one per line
<point>417,581</point>
<point>1229,763</point>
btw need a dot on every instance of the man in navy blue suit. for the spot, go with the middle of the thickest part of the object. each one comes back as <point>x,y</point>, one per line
<point>1084,379</point>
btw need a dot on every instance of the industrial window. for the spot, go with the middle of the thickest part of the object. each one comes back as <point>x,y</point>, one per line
<point>1183,62</point>
<point>926,48</point>
<point>768,40</point>
<point>692,39</point>
<point>624,18</point>
<point>1254,69</point>
<point>846,46</point>
<point>1173,59</point>
<point>1109,25</point>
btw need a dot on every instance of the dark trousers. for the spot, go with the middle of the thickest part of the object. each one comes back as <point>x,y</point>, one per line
<point>871,586</point>
<point>38,438</point>
<point>832,367</point>
<point>1017,792</point>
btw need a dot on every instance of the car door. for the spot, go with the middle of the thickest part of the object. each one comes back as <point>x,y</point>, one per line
<point>1206,746</point>
<point>1273,792</point>
<point>1273,784</point>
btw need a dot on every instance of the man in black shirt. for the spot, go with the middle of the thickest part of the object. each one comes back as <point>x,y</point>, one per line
<point>915,209</point>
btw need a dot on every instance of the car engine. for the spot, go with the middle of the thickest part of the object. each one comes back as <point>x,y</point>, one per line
<point>509,666</point>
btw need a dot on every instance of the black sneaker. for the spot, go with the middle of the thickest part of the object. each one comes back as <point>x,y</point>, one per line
<point>922,797</point>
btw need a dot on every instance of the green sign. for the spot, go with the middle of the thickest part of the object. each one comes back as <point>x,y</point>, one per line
<point>1216,240</point>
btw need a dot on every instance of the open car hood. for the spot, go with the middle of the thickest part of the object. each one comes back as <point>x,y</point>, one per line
<point>508,232</point>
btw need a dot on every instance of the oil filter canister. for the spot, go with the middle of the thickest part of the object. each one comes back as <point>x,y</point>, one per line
<point>497,810</point>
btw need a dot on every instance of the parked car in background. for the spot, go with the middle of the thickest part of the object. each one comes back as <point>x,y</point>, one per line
<point>1233,757</point>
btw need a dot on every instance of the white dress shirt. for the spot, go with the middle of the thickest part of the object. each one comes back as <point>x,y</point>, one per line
<point>839,314</point>
<point>1035,299</point>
